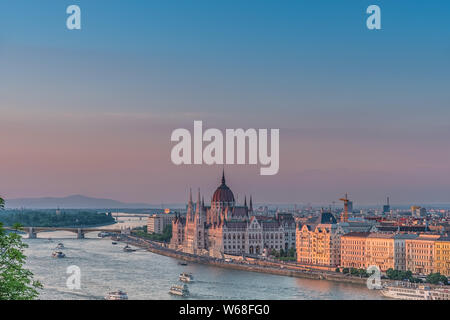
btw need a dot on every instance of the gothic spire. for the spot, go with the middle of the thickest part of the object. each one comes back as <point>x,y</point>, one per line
<point>198,204</point>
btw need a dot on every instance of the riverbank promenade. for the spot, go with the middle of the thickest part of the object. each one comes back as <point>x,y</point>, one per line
<point>255,265</point>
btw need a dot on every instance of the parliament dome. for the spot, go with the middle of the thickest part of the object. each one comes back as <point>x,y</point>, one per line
<point>223,193</point>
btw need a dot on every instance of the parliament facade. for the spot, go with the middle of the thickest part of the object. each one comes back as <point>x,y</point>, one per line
<point>227,228</point>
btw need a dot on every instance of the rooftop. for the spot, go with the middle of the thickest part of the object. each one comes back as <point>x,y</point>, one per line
<point>357,234</point>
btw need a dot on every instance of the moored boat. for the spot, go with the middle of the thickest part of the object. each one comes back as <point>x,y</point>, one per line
<point>186,277</point>
<point>127,248</point>
<point>117,295</point>
<point>411,291</point>
<point>58,254</point>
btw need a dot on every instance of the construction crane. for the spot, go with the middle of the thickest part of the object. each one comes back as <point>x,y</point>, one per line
<point>344,215</point>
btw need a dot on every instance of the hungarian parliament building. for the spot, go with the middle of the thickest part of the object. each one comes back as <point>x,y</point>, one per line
<point>227,228</point>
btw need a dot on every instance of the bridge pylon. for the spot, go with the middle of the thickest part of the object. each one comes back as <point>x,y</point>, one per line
<point>80,234</point>
<point>31,233</point>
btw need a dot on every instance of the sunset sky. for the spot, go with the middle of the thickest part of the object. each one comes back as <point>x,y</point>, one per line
<point>91,111</point>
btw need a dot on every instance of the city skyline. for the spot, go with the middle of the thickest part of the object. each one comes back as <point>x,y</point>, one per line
<point>91,111</point>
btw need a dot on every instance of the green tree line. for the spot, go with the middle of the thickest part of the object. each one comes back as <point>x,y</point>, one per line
<point>161,237</point>
<point>47,218</point>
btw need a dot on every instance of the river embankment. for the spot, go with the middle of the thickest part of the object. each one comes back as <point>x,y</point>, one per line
<point>262,267</point>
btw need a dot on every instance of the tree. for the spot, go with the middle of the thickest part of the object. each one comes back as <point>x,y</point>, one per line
<point>436,278</point>
<point>390,273</point>
<point>2,203</point>
<point>292,252</point>
<point>16,282</point>
<point>363,273</point>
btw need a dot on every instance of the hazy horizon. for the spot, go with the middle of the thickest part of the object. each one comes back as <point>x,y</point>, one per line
<point>177,205</point>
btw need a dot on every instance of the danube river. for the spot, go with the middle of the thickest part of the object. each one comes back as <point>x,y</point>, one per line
<point>143,275</point>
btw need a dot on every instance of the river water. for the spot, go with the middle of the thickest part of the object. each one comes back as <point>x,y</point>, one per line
<point>144,275</point>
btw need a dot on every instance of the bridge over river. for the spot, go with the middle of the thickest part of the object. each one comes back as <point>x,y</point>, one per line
<point>80,232</point>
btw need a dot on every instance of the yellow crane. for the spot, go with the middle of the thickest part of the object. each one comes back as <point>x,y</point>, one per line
<point>344,215</point>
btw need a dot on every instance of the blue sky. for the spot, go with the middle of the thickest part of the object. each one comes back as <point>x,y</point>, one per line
<point>311,68</point>
<point>260,51</point>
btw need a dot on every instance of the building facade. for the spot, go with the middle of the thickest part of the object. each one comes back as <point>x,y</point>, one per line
<point>380,251</point>
<point>420,254</point>
<point>157,222</point>
<point>317,242</point>
<point>227,228</point>
<point>354,249</point>
<point>400,250</point>
<point>442,256</point>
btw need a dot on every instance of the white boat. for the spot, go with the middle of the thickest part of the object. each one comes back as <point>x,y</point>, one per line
<point>440,294</point>
<point>104,234</point>
<point>117,295</point>
<point>186,277</point>
<point>58,254</point>
<point>179,290</point>
<point>127,248</point>
<point>410,291</point>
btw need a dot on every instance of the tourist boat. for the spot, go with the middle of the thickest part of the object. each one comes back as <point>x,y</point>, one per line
<point>440,294</point>
<point>117,295</point>
<point>104,234</point>
<point>58,254</point>
<point>409,291</point>
<point>60,246</point>
<point>179,290</point>
<point>182,263</point>
<point>127,248</point>
<point>186,277</point>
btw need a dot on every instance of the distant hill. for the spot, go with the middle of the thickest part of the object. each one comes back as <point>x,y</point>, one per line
<point>73,202</point>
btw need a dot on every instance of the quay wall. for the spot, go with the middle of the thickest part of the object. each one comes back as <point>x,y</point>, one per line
<point>286,271</point>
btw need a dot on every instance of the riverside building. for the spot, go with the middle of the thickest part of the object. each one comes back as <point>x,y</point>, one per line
<point>384,250</point>
<point>226,228</point>
<point>157,222</point>
<point>442,256</point>
<point>420,254</point>
<point>354,249</point>
<point>318,240</point>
